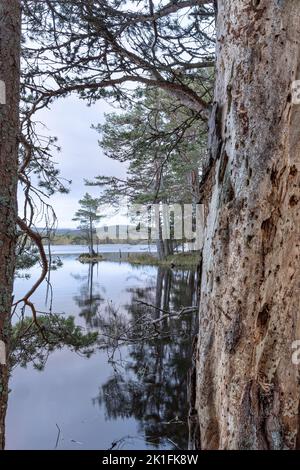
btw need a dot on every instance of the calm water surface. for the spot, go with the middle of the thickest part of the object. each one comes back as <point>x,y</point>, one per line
<point>138,402</point>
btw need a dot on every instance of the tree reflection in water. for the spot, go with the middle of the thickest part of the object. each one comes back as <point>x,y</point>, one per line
<point>151,385</point>
<point>88,300</point>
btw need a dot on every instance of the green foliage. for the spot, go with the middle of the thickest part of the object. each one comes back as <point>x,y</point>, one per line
<point>95,47</point>
<point>163,145</point>
<point>88,210</point>
<point>27,258</point>
<point>87,216</point>
<point>28,345</point>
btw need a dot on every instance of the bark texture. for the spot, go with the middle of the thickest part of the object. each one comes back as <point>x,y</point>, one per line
<point>246,386</point>
<point>9,126</point>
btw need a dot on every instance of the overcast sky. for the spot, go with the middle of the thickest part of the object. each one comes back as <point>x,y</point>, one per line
<point>81,157</point>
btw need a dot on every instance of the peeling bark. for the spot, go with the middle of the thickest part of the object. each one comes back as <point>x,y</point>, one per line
<point>246,386</point>
<point>10,32</point>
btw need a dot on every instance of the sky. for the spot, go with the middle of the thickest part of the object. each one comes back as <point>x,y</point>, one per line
<point>81,157</point>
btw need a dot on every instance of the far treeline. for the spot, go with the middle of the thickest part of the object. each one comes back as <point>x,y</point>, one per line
<point>164,146</point>
<point>78,237</point>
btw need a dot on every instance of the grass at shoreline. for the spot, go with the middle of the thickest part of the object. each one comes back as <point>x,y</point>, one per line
<point>179,260</point>
<point>86,258</point>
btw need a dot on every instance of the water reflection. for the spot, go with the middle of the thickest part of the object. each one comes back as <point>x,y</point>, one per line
<point>88,298</point>
<point>139,389</point>
<point>151,385</point>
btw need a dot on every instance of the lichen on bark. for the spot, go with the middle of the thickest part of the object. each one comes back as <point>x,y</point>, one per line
<point>247,388</point>
<point>10,33</point>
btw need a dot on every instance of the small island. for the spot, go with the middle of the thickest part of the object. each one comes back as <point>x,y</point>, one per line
<point>90,258</point>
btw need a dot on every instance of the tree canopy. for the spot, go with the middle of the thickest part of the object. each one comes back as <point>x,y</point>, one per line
<point>87,215</point>
<point>163,147</point>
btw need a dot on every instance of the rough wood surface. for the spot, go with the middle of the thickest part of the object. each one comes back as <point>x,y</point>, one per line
<point>247,388</point>
<point>9,129</point>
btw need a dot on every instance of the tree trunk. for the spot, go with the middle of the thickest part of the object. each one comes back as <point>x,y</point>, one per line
<point>168,247</point>
<point>160,242</point>
<point>246,386</point>
<point>10,27</point>
<point>91,238</point>
<point>159,248</point>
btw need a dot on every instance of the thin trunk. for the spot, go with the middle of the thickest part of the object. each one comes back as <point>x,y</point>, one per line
<point>159,248</point>
<point>171,247</point>
<point>166,248</point>
<point>167,281</point>
<point>10,31</point>
<point>160,242</point>
<point>91,238</point>
<point>159,290</point>
<point>247,388</point>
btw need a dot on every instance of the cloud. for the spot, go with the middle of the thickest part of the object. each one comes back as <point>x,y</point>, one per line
<point>81,157</point>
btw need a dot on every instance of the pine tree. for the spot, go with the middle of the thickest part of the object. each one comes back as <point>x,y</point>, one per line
<point>87,216</point>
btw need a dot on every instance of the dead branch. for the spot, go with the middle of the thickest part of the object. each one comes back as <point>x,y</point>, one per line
<point>37,239</point>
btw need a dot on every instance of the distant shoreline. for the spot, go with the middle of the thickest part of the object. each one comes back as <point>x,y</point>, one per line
<point>62,240</point>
